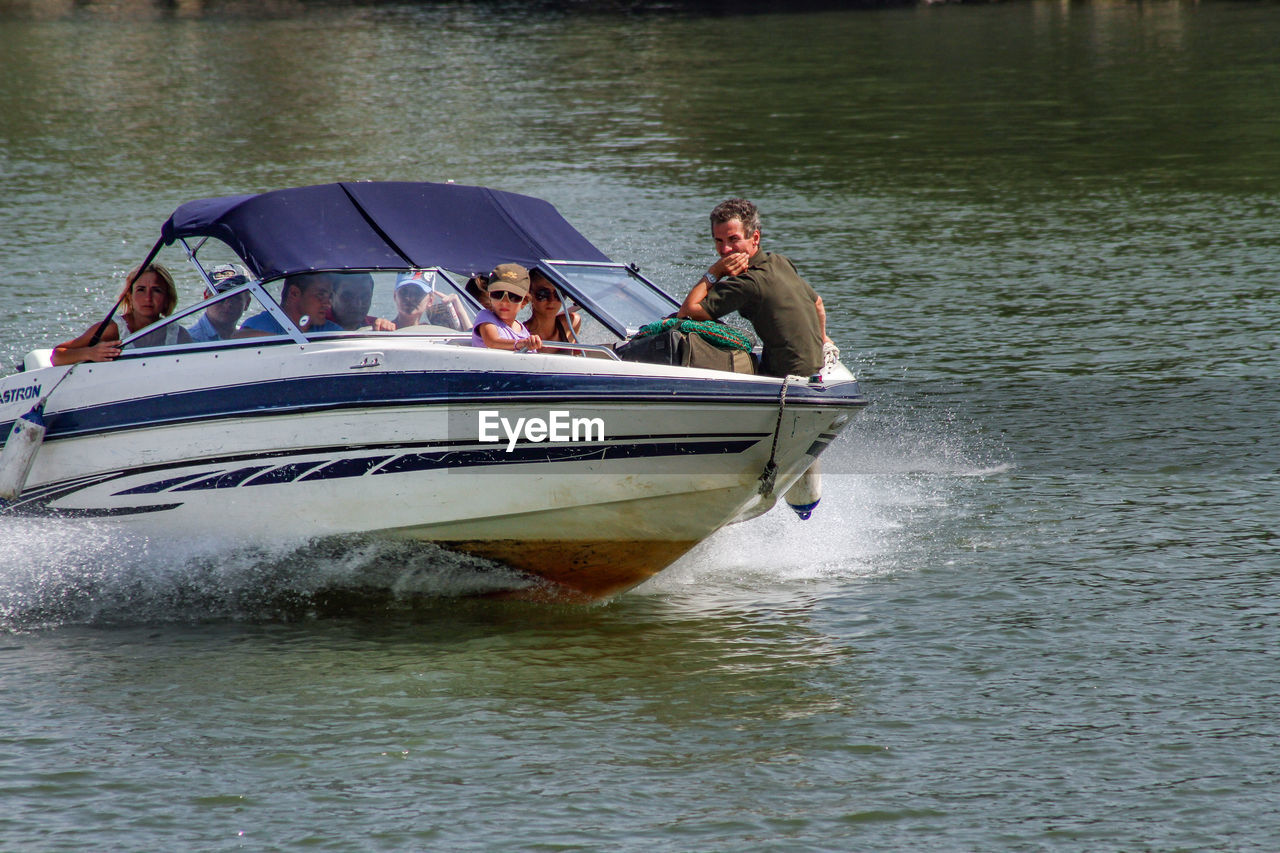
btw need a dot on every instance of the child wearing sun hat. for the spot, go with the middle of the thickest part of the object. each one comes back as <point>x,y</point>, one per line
<point>496,327</point>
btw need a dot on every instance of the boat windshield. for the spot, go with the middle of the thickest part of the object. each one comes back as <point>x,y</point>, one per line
<point>413,301</point>
<point>615,292</point>
<point>608,301</point>
<point>210,321</point>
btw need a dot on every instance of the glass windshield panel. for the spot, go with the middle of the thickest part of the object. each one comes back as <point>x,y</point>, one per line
<point>618,292</point>
<point>589,329</point>
<point>217,320</point>
<point>220,320</point>
<point>592,331</point>
<point>411,301</point>
<point>407,301</point>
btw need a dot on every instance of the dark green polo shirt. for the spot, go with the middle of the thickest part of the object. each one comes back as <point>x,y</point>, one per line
<point>780,306</point>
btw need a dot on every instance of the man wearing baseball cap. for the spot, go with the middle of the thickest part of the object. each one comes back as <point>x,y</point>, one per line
<point>219,320</point>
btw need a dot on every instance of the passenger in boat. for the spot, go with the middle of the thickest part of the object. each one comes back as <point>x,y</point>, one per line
<point>418,302</point>
<point>306,299</point>
<point>497,327</point>
<point>219,320</point>
<point>478,287</point>
<point>148,295</point>
<point>763,287</point>
<point>549,320</point>
<point>352,297</point>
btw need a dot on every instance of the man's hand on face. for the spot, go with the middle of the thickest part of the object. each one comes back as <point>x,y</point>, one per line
<point>732,264</point>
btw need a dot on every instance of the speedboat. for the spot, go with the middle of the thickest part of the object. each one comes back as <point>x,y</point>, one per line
<point>587,473</point>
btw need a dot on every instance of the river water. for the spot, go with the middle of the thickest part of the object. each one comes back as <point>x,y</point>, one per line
<point>1038,607</point>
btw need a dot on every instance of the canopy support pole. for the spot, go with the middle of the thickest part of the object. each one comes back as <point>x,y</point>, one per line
<point>102,327</point>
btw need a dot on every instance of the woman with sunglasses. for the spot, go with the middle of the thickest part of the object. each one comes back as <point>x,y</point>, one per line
<point>496,327</point>
<point>549,320</point>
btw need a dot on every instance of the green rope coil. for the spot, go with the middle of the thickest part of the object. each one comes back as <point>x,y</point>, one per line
<point>717,334</point>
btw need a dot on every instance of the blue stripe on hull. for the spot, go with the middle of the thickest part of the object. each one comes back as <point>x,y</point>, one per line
<point>340,391</point>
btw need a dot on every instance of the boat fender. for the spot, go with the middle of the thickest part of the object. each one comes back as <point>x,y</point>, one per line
<point>806,492</point>
<point>20,451</point>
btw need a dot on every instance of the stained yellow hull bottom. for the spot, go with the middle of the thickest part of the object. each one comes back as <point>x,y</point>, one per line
<point>579,570</point>
<point>589,553</point>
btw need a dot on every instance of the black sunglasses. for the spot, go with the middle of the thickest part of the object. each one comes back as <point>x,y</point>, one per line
<point>545,295</point>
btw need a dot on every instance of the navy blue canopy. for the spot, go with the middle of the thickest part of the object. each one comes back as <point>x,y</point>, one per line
<point>378,225</point>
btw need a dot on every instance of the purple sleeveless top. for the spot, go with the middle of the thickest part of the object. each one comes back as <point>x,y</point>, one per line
<point>519,333</point>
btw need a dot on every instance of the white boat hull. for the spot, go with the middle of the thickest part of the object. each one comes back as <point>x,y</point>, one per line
<point>395,436</point>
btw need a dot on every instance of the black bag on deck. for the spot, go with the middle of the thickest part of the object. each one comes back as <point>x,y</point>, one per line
<point>666,347</point>
<point>686,349</point>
